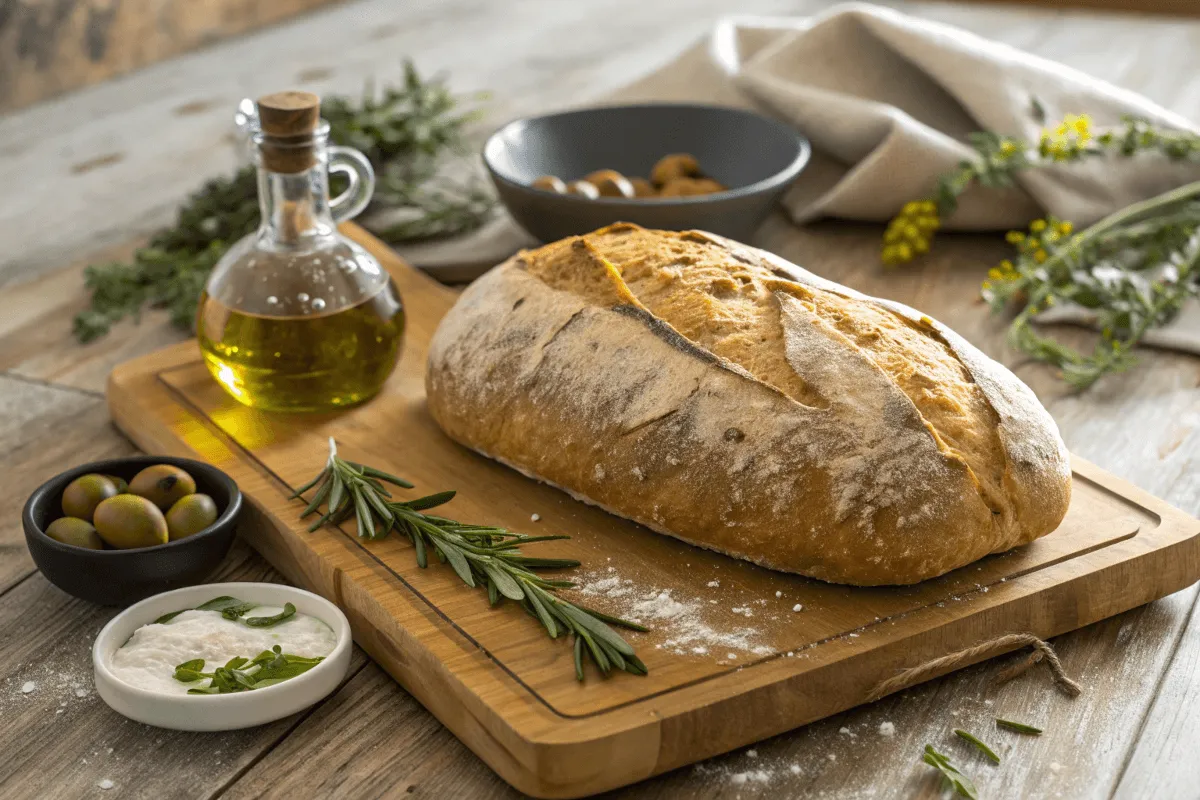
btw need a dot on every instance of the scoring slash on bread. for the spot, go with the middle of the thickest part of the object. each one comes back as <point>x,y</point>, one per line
<point>722,395</point>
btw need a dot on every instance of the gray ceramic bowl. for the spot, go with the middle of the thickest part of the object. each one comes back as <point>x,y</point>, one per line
<point>756,157</point>
<point>121,577</point>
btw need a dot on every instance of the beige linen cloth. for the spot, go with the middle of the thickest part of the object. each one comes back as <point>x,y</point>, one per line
<point>888,101</point>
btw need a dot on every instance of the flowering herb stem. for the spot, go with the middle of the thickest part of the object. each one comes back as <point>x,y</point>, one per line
<point>1132,271</point>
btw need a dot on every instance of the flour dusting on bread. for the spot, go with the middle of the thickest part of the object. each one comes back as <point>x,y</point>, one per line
<point>717,394</point>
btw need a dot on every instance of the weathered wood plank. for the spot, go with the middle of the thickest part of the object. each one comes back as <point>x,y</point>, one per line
<point>1181,7</point>
<point>60,740</point>
<point>36,338</point>
<point>375,740</point>
<point>49,48</point>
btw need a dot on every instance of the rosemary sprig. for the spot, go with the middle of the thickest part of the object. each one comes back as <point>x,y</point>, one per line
<point>1019,727</point>
<point>983,748</point>
<point>481,555</point>
<point>951,777</point>
<point>407,132</point>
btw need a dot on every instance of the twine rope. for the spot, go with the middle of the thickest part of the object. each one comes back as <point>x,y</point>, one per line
<point>993,647</point>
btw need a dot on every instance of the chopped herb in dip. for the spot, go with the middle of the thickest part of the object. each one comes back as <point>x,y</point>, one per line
<point>245,646</point>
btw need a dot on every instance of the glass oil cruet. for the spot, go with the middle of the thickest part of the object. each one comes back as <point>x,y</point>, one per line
<point>297,317</point>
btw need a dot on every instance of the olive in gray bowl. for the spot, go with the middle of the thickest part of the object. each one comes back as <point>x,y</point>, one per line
<point>120,577</point>
<point>755,157</point>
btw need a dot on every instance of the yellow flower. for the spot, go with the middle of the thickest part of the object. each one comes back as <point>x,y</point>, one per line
<point>910,232</point>
<point>1007,148</point>
<point>1040,255</point>
<point>1080,125</point>
<point>1038,225</point>
<point>1065,228</point>
<point>1066,140</point>
<point>1014,237</point>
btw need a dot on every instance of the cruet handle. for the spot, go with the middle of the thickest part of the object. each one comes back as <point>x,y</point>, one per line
<point>358,170</point>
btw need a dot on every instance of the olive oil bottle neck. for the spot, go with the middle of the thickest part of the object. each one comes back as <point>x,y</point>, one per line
<point>295,206</point>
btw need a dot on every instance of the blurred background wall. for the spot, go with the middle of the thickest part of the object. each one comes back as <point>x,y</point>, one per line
<point>51,46</point>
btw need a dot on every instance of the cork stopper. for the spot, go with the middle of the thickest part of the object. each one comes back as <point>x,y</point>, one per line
<point>288,120</point>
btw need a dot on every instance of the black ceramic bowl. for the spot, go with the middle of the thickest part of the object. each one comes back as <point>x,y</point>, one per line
<point>756,157</point>
<point>121,577</point>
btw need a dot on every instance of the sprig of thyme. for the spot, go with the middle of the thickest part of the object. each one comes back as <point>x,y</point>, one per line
<point>407,131</point>
<point>481,555</point>
<point>1132,270</point>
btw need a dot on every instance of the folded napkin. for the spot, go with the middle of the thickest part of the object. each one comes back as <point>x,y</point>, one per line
<point>888,101</point>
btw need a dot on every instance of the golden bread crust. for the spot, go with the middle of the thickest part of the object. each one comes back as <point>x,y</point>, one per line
<point>721,395</point>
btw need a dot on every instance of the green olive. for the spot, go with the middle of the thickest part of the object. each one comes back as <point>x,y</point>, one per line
<point>127,521</point>
<point>190,515</point>
<point>76,532</point>
<point>162,485</point>
<point>83,494</point>
<point>121,484</point>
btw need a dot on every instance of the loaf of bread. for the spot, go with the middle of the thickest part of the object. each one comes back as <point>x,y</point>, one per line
<point>721,395</point>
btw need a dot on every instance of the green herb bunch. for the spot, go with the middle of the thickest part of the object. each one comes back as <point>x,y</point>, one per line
<point>1132,270</point>
<point>481,555</point>
<point>245,674</point>
<point>408,131</point>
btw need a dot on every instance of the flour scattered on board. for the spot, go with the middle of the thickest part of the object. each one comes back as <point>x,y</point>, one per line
<point>690,624</point>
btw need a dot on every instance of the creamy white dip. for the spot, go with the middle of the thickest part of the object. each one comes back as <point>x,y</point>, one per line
<point>148,659</point>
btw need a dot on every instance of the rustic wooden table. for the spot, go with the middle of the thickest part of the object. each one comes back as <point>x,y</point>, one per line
<point>90,172</point>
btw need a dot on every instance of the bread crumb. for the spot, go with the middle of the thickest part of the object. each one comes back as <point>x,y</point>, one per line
<point>1055,766</point>
<point>534,517</point>
<point>832,757</point>
<point>105,784</point>
<point>752,753</point>
<point>714,584</point>
<point>795,768</point>
<point>779,594</point>
<point>28,687</point>
<point>887,729</point>
<point>731,656</point>
<point>797,607</point>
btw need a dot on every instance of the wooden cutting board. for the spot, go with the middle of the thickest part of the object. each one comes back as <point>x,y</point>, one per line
<point>731,662</point>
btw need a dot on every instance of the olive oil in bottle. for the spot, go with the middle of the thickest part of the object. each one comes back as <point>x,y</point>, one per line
<point>302,363</point>
<point>296,317</point>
